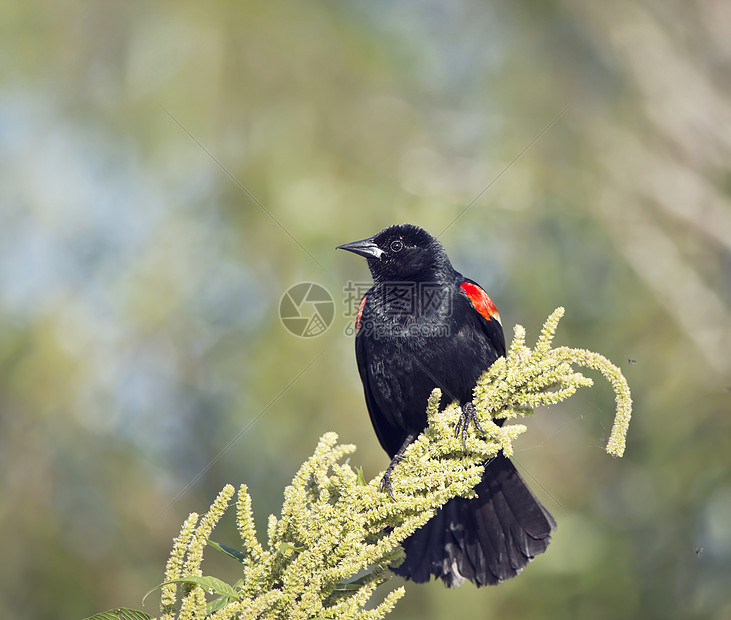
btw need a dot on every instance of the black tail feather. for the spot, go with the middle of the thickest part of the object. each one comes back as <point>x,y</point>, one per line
<point>484,540</point>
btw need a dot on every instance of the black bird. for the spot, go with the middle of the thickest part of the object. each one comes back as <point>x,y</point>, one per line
<point>424,325</point>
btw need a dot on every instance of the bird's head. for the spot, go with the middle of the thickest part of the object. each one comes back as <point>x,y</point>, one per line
<point>402,252</point>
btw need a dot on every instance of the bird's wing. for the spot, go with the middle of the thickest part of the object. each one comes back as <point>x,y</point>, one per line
<point>485,307</point>
<point>389,435</point>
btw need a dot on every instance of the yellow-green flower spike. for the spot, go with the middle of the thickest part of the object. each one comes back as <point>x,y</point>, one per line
<point>336,535</point>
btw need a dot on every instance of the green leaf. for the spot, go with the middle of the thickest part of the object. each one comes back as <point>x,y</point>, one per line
<point>361,477</point>
<point>356,583</point>
<point>212,585</point>
<point>216,604</point>
<point>288,546</point>
<point>120,613</point>
<point>209,584</point>
<point>234,553</point>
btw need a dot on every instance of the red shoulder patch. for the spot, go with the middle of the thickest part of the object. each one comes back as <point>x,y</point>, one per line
<point>481,301</point>
<point>360,312</point>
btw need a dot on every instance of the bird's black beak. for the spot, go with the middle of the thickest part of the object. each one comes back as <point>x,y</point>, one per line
<point>364,247</point>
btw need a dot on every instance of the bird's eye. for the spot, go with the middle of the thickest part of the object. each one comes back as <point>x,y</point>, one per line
<point>397,246</point>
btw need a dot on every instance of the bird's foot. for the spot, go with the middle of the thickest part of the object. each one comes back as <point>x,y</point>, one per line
<point>386,480</point>
<point>397,458</point>
<point>469,416</point>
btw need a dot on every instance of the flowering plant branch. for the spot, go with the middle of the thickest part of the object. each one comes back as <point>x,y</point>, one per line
<point>338,534</point>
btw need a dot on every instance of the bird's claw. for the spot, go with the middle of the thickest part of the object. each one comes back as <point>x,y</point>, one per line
<point>386,480</point>
<point>395,460</point>
<point>469,416</point>
<point>386,485</point>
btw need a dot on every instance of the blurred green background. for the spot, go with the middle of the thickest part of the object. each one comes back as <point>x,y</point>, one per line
<point>142,360</point>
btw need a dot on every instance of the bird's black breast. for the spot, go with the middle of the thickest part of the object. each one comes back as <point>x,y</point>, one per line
<point>402,357</point>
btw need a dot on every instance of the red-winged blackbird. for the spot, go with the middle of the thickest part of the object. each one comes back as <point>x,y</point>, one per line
<point>424,325</point>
